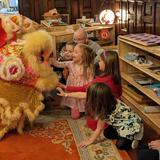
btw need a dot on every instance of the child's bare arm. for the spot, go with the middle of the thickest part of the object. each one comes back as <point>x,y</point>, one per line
<point>80,95</point>
<point>54,62</point>
<point>95,135</point>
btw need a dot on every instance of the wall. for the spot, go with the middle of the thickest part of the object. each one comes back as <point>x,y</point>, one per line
<point>142,15</point>
<point>76,8</point>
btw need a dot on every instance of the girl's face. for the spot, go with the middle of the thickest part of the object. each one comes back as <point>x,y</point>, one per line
<point>67,52</point>
<point>101,65</point>
<point>77,54</point>
<point>69,48</point>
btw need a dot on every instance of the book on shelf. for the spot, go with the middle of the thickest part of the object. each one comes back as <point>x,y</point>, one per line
<point>138,96</point>
<point>152,109</point>
<point>156,88</point>
<point>155,69</point>
<point>143,39</point>
<point>142,79</point>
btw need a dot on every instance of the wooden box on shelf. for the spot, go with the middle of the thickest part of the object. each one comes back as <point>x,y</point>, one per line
<point>96,29</point>
<point>128,68</point>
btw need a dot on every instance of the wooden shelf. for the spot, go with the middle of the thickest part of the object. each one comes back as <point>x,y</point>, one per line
<point>144,69</point>
<point>152,119</point>
<point>155,50</point>
<point>104,43</point>
<point>128,68</point>
<point>148,92</point>
<point>93,28</point>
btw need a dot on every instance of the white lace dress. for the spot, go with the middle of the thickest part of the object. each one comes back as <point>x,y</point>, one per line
<point>76,77</point>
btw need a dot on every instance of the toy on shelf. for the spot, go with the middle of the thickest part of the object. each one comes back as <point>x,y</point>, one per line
<point>51,14</point>
<point>53,18</point>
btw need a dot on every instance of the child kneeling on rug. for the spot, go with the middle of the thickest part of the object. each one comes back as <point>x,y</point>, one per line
<point>124,124</point>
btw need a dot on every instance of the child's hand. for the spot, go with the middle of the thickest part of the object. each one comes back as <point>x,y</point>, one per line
<point>60,92</point>
<point>61,85</point>
<point>85,143</point>
<point>51,61</point>
<point>154,144</point>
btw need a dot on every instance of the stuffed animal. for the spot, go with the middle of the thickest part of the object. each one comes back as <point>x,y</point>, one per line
<point>24,74</point>
<point>52,14</point>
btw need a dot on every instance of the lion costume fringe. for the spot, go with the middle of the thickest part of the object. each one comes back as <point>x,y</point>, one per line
<point>23,77</point>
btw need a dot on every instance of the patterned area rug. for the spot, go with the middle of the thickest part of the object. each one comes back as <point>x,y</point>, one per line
<point>55,137</point>
<point>50,139</point>
<point>102,149</point>
<point>80,132</point>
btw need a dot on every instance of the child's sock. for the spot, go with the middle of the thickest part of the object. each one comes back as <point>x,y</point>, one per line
<point>75,114</point>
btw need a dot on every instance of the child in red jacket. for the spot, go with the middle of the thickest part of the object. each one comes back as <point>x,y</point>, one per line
<point>109,73</point>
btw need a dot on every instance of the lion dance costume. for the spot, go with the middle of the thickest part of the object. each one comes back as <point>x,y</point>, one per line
<point>24,72</point>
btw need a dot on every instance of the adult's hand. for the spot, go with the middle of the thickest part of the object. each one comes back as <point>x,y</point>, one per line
<point>154,144</point>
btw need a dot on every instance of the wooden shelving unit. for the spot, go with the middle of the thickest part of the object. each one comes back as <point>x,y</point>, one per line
<point>95,27</point>
<point>148,92</point>
<point>62,34</point>
<point>128,67</point>
<point>151,119</point>
<point>142,69</point>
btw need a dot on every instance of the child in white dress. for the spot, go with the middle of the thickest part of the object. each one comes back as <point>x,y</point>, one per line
<point>66,54</point>
<point>80,73</point>
<point>67,51</point>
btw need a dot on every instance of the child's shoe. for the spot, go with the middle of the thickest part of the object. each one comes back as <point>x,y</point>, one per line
<point>75,114</point>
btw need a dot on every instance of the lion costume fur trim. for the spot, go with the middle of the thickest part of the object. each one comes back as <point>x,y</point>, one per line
<point>36,43</point>
<point>11,119</point>
<point>19,102</point>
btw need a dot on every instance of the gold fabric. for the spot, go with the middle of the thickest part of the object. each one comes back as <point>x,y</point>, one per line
<point>12,50</point>
<point>18,102</point>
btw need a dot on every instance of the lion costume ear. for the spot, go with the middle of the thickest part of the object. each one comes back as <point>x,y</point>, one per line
<point>3,35</point>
